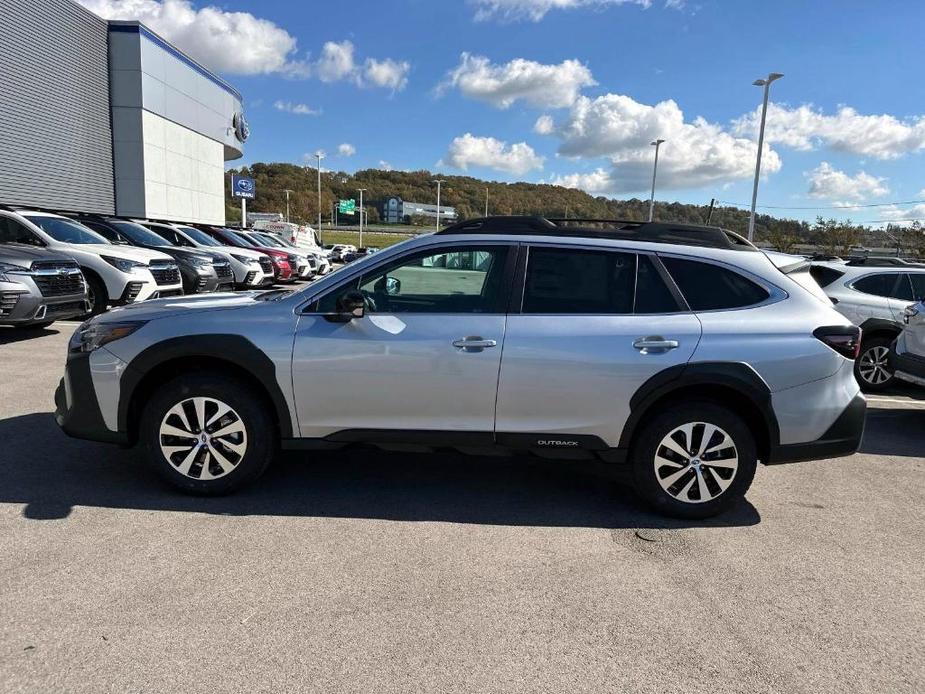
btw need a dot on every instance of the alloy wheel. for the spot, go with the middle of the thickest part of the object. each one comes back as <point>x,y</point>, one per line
<point>202,438</point>
<point>696,462</point>
<point>874,366</point>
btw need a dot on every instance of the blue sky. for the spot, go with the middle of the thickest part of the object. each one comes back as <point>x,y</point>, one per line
<point>464,82</point>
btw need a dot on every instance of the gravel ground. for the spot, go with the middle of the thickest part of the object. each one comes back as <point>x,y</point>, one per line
<point>386,572</point>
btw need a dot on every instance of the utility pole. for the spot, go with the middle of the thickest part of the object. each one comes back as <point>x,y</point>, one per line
<point>657,144</point>
<point>710,213</point>
<point>439,182</point>
<point>486,201</point>
<point>320,156</point>
<point>766,83</point>
<point>287,191</point>
<point>361,215</point>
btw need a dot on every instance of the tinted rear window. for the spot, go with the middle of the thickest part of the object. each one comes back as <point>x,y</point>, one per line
<point>709,287</point>
<point>884,284</point>
<point>652,295</point>
<point>572,281</point>
<point>825,275</point>
<point>918,285</point>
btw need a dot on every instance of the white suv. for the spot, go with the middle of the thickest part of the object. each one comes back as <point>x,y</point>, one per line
<point>115,274</point>
<point>872,294</point>
<point>682,353</point>
<point>907,356</point>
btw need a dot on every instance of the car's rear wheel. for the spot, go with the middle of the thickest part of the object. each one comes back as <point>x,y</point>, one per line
<point>96,296</point>
<point>207,434</point>
<point>694,460</point>
<point>872,367</point>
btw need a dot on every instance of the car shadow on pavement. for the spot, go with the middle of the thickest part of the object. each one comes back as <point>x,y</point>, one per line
<point>51,474</point>
<point>9,335</point>
<point>895,432</point>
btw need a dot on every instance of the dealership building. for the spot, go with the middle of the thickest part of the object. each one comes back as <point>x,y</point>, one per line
<point>108,117</point>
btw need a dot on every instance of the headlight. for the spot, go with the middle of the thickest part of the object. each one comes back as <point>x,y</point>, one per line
<point>122,264</point>
<point>203,265</point>
<point>91,336</point>
<point>244,259</point>
<point>11,269</point>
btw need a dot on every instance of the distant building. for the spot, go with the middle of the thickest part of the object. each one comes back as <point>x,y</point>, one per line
<point>394,210</point>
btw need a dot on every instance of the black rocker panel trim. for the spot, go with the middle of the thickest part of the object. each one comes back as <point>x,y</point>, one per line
<point>736,376</point>
<point>235,349</point>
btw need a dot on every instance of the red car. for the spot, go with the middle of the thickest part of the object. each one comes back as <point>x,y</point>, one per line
<point>283,262</point>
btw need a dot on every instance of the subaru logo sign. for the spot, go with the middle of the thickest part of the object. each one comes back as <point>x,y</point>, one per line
<point>242,187</point>
<point>241,129</point>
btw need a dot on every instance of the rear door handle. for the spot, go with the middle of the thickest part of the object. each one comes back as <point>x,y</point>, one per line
<point>655,344</point>
<point>473,343</point>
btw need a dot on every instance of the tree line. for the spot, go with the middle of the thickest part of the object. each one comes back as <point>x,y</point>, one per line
<point>468,196</point>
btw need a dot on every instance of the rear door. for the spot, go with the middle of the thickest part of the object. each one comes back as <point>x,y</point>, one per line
<point>588,327</point>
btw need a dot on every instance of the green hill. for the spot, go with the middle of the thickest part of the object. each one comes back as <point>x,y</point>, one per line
<point>467,195</point>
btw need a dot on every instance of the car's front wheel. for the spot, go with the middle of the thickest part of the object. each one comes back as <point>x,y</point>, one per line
<point>872,367</point>
<point>694,460</point>
<point>207,434</point>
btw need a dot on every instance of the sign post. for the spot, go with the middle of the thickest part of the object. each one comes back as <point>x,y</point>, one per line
<point>244,188</point>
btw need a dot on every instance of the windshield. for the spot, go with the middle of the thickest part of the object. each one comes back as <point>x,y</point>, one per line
<point>138,234</point>
<point>236,238</point>
<point>281,241</point>
<point>200,237</point>
<point>267,239</point>
<point>66,230</point>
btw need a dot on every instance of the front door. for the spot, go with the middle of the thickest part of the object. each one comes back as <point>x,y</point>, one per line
<point>425,356</point>
<point>594,325</point>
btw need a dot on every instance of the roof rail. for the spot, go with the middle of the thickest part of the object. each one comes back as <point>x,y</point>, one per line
<point>631,230</point>
<point>884,261</point>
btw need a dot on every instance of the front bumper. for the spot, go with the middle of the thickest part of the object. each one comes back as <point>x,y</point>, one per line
<point>907,367</point>
<point>841,439</point>
<point>19,307</point>
<point>77,410</point>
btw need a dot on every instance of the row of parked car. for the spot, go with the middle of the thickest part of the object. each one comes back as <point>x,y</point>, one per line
<point>55,266</point>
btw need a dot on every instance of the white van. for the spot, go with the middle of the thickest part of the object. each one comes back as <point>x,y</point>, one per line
<point>302,236</point>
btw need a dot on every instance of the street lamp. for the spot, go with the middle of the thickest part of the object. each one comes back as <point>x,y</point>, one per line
<point>439,182</point>
<point>320,155</point>
<point>287,191</point>
<point>656,144</point>
<point>360,191</point>
<point>766,83</point>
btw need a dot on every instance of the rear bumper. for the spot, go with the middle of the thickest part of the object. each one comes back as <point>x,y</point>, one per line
<point>77,410</point>
<point>907,367</point>
<point>841,439</point>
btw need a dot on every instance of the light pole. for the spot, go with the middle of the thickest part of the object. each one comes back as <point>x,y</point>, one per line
<point>320,156</point>
<point>486,201</point>
<point>360,191</point>
<point>439,182</point>
<point>656,144</point>
<point>287,191</point>
<point>766,83</point>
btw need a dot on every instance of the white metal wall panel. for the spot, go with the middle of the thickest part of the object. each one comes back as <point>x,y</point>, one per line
<point>55,134</point>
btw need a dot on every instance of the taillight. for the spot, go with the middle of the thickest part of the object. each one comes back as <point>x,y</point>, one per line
<point>844,339</point>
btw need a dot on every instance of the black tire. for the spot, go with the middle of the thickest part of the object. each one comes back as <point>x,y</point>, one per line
<point>96,295</point>
<point>649,443</point>
<point>872,364</point>
<point>250,409</point>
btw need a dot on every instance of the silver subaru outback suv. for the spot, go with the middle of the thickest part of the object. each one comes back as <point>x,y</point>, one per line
<point>680,352</point>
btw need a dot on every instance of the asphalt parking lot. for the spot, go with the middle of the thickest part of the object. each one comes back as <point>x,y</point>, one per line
<point>373,571</point>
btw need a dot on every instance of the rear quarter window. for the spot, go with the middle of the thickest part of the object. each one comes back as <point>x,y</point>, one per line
<point>825,275</point>
<point>709,287</point>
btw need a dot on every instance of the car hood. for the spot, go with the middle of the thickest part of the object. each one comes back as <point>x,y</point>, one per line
<point>143,255</point>
<point>23,254</point>
<point>243,252</point>
<point>152,309</point>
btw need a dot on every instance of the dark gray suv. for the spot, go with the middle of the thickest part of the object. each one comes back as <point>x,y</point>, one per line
<point>38,286</point>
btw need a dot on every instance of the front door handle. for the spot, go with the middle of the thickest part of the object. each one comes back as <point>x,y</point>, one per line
<point>473,343</point>
<point>655,344</point>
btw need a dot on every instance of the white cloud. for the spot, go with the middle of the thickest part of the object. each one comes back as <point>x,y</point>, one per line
<point>804,128</point>
<point>469,150</point>
<point>231,42</point>
<point>544,125</point>
<point>298,109</point>
<point>832,184</point>
<point>598,182</point>
<point>903,216</point>
<point>337,63</point>
<point>384,165</point>
<point>546,86</point>
<point>346,149</point>
<point>535,10</point>
<point>388,73</point>
<point>695,154</point>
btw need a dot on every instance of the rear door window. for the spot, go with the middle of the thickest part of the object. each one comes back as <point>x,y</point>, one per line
<point>882,284</point>
<point>918,285</point>
<point>572,281</point>
<point>709,287</point>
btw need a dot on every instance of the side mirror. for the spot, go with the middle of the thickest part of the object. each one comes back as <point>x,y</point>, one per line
<point>351,305</point>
